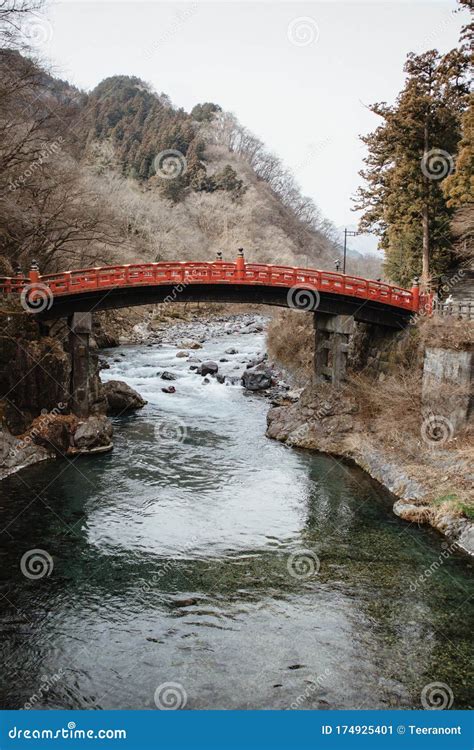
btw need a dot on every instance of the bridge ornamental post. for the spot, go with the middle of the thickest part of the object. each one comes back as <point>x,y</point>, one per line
<point>80,325</point>
<point>33,273</point>
<point>415,290</point>
<point>240,265</point>
<point>331,346</point>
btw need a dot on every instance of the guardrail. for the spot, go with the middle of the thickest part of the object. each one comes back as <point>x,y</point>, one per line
<point>456,309</point>
<point>218,272</point>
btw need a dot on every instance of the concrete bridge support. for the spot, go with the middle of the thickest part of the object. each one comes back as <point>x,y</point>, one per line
<point>80,325</point>
<point>332,345</point>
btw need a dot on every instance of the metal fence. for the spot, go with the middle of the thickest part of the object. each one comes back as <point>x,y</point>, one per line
<point>457,309</point>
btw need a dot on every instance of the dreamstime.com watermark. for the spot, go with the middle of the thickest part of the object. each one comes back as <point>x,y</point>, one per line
<point>311,152</point>
<point>302,432</point>
<point>314,683</point>
<point>51,149</point>
<point>171,430</point>
<point>431,570</point>
<point>437,696</point>
<point>303,298</point>
<point>170,696</point>
<point>36,563</point>
<point>303,564</point>
<point>303,31</point>
<point>46,684</point>
<point>36,298</point>
<point>179,20</point>
<point>67,733</point>
<point>46,418</point>
<point>436,430</point>
<point>36,30</point>
<point>167,567</point>
<point>436,164</point>
<point>179,288</point>
<point>170,164</point>
<point>445,285</point>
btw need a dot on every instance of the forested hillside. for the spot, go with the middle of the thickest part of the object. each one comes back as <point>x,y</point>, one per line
<point>121,174</point>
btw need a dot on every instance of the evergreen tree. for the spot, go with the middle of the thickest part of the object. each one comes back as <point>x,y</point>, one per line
<point>409,155</point>
<point>459,186</point>
<point>205,112</point>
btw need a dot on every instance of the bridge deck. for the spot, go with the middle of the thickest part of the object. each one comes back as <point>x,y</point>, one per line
<point>183,274</point>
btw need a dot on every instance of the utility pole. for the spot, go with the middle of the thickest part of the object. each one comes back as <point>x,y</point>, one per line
<point>347,233</point>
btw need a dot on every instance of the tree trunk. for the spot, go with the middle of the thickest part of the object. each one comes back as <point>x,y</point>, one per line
<point>425,270</point>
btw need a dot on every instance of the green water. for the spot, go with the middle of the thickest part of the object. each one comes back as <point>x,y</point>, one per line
<point>174,561</point>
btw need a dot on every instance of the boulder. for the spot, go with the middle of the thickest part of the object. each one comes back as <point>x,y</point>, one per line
<point>231,351</point>
<point>169,389</point>
<point>104,340</point>
<point>120,398</point>
<point>257,361</point>
<point>257,379</point>
<point>53,431</point>
<point>166,375</point>
<point>208,368</point>
<point>253,328</point>
<point>17,453</point>
<point>191,345</point>
<point>93,434</point>
<point>182,354</point>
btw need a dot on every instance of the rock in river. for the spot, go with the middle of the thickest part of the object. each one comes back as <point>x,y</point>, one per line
<point>94,434</point>
<point>191,345</point>
<point>257,379</point>
<point>120,397</point>
<point>208,368</point>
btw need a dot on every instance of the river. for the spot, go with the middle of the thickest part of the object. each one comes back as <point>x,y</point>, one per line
<point>202,565</point>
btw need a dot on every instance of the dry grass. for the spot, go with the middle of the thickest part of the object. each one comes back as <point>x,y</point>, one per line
<point>446,332</point>
<point>290,342</point>
<point>392,412</point>
<point>392,407</point>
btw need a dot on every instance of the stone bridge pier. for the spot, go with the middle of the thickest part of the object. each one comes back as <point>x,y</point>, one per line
<point>80,325</point>
<point>332,344</point>
<point>343,343</point>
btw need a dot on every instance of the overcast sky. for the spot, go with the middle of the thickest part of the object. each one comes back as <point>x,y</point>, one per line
<point>297,74</point>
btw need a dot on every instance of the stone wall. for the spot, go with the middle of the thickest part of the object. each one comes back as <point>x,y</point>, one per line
<point>343,345</point>
<point>447,387</point>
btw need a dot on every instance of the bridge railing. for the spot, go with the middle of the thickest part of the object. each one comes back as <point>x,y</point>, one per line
<point>327,281</point>
<point>140,273</point>
<point>218,272</point>
<point>10,284</point>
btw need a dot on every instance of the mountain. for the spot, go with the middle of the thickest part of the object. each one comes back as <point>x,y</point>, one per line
<point>121,174</point>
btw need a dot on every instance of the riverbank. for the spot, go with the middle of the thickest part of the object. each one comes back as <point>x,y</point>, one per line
<point>193,552</point>
<point>431,483</point>
<point>54,433</point>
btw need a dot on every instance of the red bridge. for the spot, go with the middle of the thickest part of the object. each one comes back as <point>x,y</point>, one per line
<point>92,289</point>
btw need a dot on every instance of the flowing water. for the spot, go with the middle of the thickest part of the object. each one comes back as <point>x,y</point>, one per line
<point>200,553</point>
